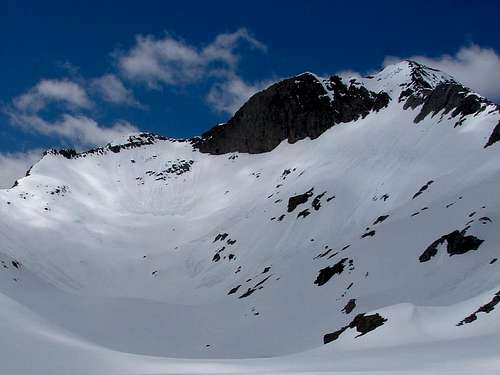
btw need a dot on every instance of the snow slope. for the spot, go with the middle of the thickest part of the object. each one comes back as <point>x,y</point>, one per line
<point>121,260</point>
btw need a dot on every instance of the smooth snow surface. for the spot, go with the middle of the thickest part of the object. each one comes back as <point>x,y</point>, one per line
<point>112,264</point>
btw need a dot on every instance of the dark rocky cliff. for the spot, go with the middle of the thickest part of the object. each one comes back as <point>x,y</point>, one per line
<point>447,97</point>
<point>293,109</point>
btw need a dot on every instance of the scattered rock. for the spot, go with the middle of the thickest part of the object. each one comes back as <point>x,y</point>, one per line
<point>349,306</point>
<point>234,290</point>
<point>250,291</point>
<point>485,220</point>
<point>380,219</point>
<point>294,201</point>
<point>363,324</point>
<point>304,213</point>
<point>456,243</point>
<point>368,234</point>
<point>321,255</point>
<point>423,188</point>
<point>487,308</point>
<point>327,273</point>
<point>316,203</point>
<point>495,136</point>
<point>221,237</point>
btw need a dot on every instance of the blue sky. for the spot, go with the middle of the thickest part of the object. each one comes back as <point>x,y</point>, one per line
<point>74,74</point>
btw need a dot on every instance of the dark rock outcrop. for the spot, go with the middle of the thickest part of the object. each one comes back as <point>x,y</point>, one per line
<point>380,219</point>
<point>304,213</point>
<point>456,243</point>
<point>257,286</point>
<point>444,95</point>
<point>459,243</point>
<point>417,89</point>
<point>495,136</point>
<point>294,201</point>
<point>422,189</point>
<point>293,109</point>
<point>368,234</point>
<point>447,96</point>
<point>234,290</point>
<point>351,305</point>
<point>486,308</point>
<point>363,324</point>
<point>452,98</point>
<point>327,273</point>
<point>133,141</point>
<point>316,203</point>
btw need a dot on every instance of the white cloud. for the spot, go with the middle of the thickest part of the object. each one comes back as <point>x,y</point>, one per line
<point>15,165</point>
<point>228,96</point>
<point>112,90</point>
<point>25,111</point>
<point>171,61</point>
<point>476,67</point>
<point>153,61</point>
<point>47,91</point>
<point>222,48</point>
<point>76,128</point>
<point>348,74</point>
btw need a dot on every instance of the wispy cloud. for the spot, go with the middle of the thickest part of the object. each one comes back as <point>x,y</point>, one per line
<point>171,61</point>
<point>474,66</point>
<point>112,90</point>
<point>27,109</point>
<point>79,129</point>
<point>64,108</point>
<point>49,91</point>
<point>13,166</point>
<point>229,95</point>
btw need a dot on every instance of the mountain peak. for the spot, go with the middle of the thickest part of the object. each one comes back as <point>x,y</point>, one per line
<point>404,74</point>
<point>293,109</point>
<point>306,105</point>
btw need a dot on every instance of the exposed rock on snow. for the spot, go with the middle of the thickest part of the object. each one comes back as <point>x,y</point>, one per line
<point>327,273</point>
<point>495,136</point>
<point>293,109</point>
<point>294,201</point>
<point>351,305</point>
<point>486,308</point>
<point>456,243</point>
<point>363,324</point>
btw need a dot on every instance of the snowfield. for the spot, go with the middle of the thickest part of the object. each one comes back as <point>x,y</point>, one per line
<point>160,259</point>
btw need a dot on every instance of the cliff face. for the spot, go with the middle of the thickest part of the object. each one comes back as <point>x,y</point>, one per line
<point>293,109</point>
<point>306,106</point>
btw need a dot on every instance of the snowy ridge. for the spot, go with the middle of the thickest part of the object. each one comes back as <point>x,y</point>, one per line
<point>121,259</point>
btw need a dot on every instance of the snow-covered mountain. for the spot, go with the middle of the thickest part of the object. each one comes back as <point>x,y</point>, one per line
<point>360,214</point>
